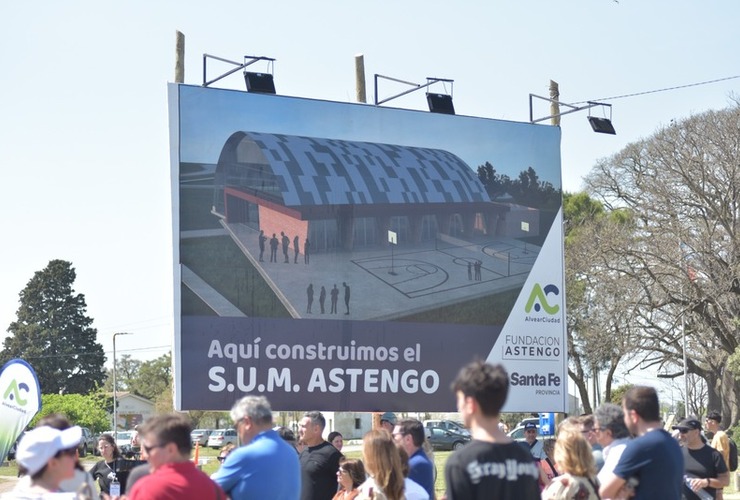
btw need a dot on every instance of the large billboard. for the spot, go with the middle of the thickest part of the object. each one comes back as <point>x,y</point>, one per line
<point>348,257</point>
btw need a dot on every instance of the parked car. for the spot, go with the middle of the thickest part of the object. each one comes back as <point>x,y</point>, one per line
<point>443,439</point>
<point>88,443</point>
<point>200,436</point>
<point>449,425</point>
<point>220,437</point>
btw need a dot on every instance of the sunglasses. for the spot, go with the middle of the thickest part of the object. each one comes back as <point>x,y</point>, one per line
<point>148,449</point>
<point>684,431</point>
<point>220,459</point>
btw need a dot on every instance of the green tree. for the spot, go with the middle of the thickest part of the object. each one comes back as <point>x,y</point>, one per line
<point>87,411</point>
<point>127,372</point>
<point>618,393</point>
<point>154,378</point>
<point>600,331</point>
<point>53,333</point>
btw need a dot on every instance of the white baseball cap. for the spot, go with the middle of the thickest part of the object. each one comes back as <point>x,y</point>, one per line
<point>41,444</point>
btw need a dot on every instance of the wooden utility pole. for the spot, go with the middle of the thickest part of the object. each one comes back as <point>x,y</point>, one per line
<point>554,106</point>
<point>360,78</point>
<point>179,57</point>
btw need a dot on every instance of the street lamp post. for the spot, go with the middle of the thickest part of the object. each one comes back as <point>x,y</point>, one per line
<point>115,387</point>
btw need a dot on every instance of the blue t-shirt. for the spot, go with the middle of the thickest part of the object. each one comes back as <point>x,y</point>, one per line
<point>656,461</point>
<point>265,468</point>
<point>421,471</point>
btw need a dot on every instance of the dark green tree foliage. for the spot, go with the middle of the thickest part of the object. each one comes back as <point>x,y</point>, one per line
<point>54,335</point>
<point>85,410</point>
<point>149,379</point>
<point>525,190</point>
<point>154,378</point>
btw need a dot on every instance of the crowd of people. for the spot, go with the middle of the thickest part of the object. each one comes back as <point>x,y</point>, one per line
<point>619,452</point>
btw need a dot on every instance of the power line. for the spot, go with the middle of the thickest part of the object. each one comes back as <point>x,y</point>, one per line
<point>658,90</point>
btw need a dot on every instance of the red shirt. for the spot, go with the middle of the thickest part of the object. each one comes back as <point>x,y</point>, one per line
<point>176,481</point>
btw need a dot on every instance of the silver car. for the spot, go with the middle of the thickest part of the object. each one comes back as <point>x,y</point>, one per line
<point>200,436</point>
<point>220,437</point>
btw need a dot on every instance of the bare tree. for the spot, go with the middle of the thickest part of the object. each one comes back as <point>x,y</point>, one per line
<point>682,187</point>
<point>600,331</point>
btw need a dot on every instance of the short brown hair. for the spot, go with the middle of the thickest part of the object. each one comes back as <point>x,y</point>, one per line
<point>170,428</point>
<point>644,401</point>
<point>488,384</point>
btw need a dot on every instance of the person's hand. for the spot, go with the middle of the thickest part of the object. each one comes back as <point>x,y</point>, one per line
<point>698,483</point>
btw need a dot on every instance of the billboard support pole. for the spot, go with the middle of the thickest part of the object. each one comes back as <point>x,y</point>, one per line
<point>573,109</point>
<point>360,78</point>
<point>179,57</point>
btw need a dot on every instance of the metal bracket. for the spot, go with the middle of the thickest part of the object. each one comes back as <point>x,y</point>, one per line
<point>417,86</point>
<point>248,60</point>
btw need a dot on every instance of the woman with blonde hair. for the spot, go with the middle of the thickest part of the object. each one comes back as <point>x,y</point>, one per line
<point>383,466</point>
<point>575,462</point>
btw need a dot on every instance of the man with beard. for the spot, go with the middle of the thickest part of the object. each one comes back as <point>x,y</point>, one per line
<point>704,467</point>
<point>653,456</point>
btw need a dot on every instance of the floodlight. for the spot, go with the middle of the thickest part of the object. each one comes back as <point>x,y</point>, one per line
<point>602,125</point>
<point>262,83</point>
<point>440,103</point>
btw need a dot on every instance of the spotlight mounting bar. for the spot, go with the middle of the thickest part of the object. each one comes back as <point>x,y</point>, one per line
<point>573,109</point>
<point>248,60</point>
<point>417,86</point>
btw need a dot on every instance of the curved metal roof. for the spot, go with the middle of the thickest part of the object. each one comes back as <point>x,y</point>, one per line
<point>314,171</point>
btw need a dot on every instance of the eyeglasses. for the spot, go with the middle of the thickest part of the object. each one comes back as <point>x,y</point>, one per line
<point>220,459</point>
<point>148,449</point>
<point>588,431</point>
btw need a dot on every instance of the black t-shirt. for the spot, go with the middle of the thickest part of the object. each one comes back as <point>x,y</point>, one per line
<point>319,466</point>
<point>702,463</point>
<point>103,471</point>
<point>482,470</point>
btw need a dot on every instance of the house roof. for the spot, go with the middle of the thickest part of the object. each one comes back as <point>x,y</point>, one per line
<point>307,171</point>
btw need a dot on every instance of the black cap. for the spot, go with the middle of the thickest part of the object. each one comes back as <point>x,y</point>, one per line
<point>530,425</point>
<point>389,417</point>
<point>688,423</point>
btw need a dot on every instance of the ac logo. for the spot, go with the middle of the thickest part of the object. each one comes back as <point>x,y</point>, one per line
<point>14,392</point>
<point>538,299</point>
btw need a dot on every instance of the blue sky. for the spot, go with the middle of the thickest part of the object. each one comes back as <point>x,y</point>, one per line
<point>84,125</point>
<point>210,116</point>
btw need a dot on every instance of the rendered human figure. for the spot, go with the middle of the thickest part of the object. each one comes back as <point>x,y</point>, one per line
<point>346,296</point>
<point>334,298</point>
<point>262,239</point>
<point>286,245</point>
<point>322,298</point>
<point>274,243</point>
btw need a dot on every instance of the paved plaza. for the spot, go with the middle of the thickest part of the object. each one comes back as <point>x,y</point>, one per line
<point>384,283</point>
